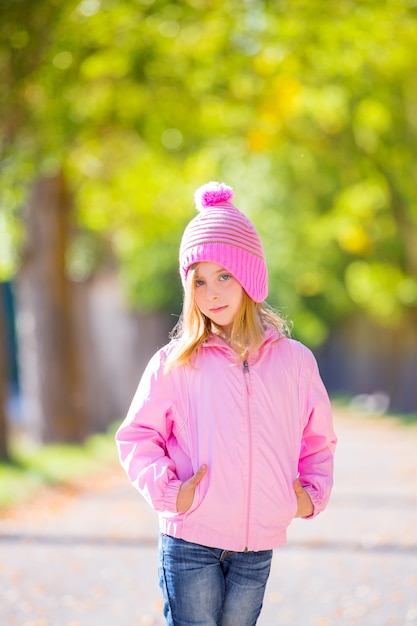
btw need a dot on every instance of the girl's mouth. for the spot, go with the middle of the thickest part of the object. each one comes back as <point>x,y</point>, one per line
<point>218,309</point>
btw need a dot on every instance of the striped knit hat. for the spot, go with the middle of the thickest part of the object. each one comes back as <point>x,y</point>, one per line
<point>221,234</point>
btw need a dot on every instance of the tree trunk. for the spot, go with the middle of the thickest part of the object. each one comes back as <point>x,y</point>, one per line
<point>3,419</point>
<point>51,383</point>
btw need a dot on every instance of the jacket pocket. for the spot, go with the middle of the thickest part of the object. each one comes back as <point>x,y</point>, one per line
<point>294,504</point>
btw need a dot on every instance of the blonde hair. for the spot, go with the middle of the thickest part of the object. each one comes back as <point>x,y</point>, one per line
<point>194,327</point>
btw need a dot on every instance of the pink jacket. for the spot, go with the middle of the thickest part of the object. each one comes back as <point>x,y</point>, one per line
<point>256,425</point>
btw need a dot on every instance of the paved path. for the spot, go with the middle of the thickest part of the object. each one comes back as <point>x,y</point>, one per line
<point>88,558</point>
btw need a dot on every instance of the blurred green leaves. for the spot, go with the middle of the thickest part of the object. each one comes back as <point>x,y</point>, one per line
<point>309,115</point>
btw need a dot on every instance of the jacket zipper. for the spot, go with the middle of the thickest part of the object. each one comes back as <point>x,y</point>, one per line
<point>246,374</point>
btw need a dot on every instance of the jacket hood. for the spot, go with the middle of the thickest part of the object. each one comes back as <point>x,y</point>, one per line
<point>271,336</point>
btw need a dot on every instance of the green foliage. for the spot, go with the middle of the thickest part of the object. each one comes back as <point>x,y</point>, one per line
<point>308,114</point>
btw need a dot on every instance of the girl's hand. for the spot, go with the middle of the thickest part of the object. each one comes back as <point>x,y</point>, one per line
<point>186,492</point>
<point>305,506</point>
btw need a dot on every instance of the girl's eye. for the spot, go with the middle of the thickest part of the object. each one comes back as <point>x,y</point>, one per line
<point>225,277</point>
<point>199,282</point>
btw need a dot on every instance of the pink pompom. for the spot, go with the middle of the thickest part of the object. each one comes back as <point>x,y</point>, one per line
<point>211,194</point>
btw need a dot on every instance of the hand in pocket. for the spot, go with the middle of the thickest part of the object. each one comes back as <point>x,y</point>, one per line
<point>186,492</point>
<point>305,506</point>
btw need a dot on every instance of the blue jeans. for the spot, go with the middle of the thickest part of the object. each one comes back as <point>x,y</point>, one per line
<point>209,586</point>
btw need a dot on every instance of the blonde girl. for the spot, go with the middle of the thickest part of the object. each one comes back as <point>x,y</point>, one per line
<point>229,435</point>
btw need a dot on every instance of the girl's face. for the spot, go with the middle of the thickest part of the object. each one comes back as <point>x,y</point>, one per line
<point>218,294</point>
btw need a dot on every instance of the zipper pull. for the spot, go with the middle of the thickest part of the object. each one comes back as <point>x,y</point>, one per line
<point>246,367</point>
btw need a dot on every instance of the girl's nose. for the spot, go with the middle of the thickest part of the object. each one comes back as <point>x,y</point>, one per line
<point>211,293</point>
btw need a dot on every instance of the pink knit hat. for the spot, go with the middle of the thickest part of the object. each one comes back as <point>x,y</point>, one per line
<point>221,234</point>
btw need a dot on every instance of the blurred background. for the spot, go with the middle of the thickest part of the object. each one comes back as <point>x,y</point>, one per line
<point>112,112</point>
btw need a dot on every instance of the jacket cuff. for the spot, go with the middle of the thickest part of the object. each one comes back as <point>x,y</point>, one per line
<point>170,495</point>
<point>315,500</point>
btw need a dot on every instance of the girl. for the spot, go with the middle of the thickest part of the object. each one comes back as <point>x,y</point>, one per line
<point>229,435</point>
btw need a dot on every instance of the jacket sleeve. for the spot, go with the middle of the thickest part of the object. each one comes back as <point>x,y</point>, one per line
<point>318,439</point>
<point>141,439</point>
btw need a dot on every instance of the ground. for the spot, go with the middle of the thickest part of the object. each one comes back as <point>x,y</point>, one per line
<point>86,555</point>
